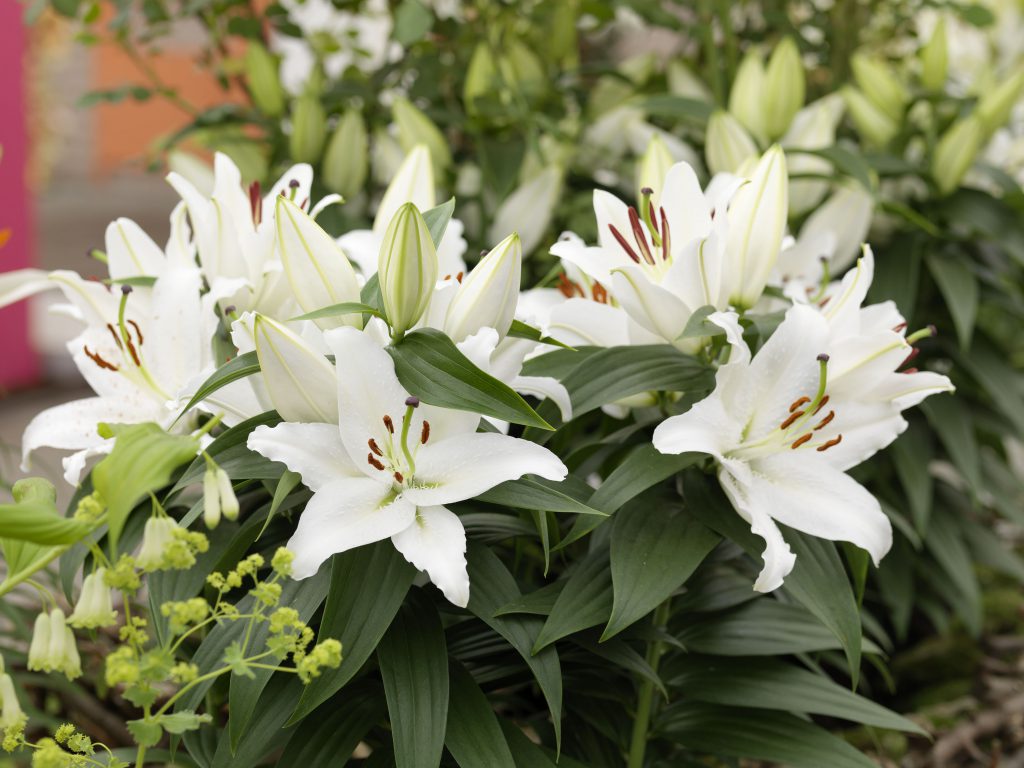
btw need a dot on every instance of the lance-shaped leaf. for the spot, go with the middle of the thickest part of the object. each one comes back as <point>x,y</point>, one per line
<point>318,271</point>
<point>33,520</point>
<point>300,381</point>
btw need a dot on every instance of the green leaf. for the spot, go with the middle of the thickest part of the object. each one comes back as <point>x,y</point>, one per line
<point>844,161</point>
<point>230,451</point>
<point>145,732</point>
<point>521,330</point>
<point>344,308</point>
<point>911,454</point>
<point>430,366</point>
<point>698,325</point>
<point>413,21</point>
<point>775,737</point>
<point>143,460</point>
<point>537,493</point>
<point>266,731</point>
<point>959,289</point>
<point>951,419</point>
<point>946,544</point>
<point>414,666</point>
<point>492,587</point>
<point>437,219</point>
<point>179,722</point>
<point>774,684</point>
<point>237,368</point>
<point>335,728</point>
<point>473,735</point>
<point>675,107</point>
<point>31,524</point>
<point>356,615</point>
<point>586,600</point>
<point>289,482</point>
<point>653,552</point>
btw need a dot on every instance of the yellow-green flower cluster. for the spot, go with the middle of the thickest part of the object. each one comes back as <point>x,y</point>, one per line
<point>326,653</point>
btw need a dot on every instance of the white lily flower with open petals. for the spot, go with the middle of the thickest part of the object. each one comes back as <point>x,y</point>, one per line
<point>389,467</point>
<point>774,426</point>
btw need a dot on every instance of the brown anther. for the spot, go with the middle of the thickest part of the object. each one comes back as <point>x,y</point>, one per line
<point>138,332</point>
<point>374,447</point>
<point>117,339</point>
<point>96,358</point>
<point>789,421</point>
<point>399,478</point>
<point>305,204</point>
<point>666,237</point>
<point>901,327</point>
<point>568,288</point>
<point>639,236</point>
<point>425,432</point>
<point>800,441</point>
<point>909,370</point>
<point>447,277</point>
<point>826,420</point>
<point>913,353</point>
<point>372,460</point>
<point>458,277</point>
<point>599,293</point>
<point>389,424</point>
<point>834,441</point>
<point>823,302</point>
<point>797,403</point>
<point>132,352</point>
<point>624,243</point>
<point>255,203</point>
<point>821,405</point>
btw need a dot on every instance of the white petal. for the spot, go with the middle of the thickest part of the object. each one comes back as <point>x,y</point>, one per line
<point>345,514</point>
<point>301,173</point>
<point>585,322</point>
<point>414,183</point>
<point>656,309</point>
<point>706,428</point>
<point>545,386</point>
<point>22,283</point>
<point>362,246</point>
<point>131,252</point>
<point>300,381</point>
<point>313,450</point>
<point>436,543</point>
<point>450,249</point>
<point>843,307</point>
<point>465,466</point>
<point>595,262</point>
<point>688,212</point>
<point>177,345</point>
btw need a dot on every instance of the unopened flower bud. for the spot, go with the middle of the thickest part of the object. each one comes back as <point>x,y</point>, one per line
<point>995,107</point>
<point>95,606</point>
<point>407,268</point>
<point>262,79</point>
<point>813,128</point>
<point>874,125</point>
<point>211,499</point>
<point>784,88</point>
<point>488,296</point>
<point>528,209</point>
<point>481,79</point>
<point>309,129</point>
<point>345,162</point>
<point>157,538</point>
<point>956,151</point>
<point>727,144</point>
<point>11,715</point>
<point>414,128</point>
<point>935,58</point>
<point>651,170</point>
<point>880,84</point>
<point>746,99</point>
<point>228,499</point>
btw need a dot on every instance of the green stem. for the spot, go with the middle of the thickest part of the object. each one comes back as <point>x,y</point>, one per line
<point>645,698</point>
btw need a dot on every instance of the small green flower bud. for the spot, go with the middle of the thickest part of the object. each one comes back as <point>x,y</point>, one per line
<point>262,78</point>
<point>228,500</point>
<point>727,144</point>
<point>414,127</point>
<point>211,499</point>
<point>95,607</point>
<point>995,107</point>
<point>784,89</point>
<point>874,125</point>
<point>11,715</point>
<point>407,268</point>
<point>880,84</point>
<point>652,168</point>
<point>935,58</point>
<point>346,161</point>
<point>746,100</point>
<point>956,151</point>
<point>309,129</point>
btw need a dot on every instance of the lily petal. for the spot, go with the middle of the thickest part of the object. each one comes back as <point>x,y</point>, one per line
<point>131,252</point>
<point>659,311</point>
<point>436,543</point>
<point>313,450</point>
<point>345,514</point>
<point>300,381</point>
<point>414,183</point>
<point>545,386</point>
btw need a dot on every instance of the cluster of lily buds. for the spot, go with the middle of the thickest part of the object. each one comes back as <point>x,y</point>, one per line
<point>53,646</point>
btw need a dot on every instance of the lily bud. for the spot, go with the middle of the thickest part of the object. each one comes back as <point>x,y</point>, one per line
<point>756,226</point>
<point>53,646</point>
<point>528,209</point>
<point>682,82</point>
<point>407,269</point>
<point>746,99</point>
<point>880,84</point>
<point>727,144</point>
<point>488,296</point>
<point>309,129</point>
<point>481,79</point>
<point>846,217</point>
<point>11,715</point>
<point>995,107</point>
<point>956,151</point>
<point>211,499</point>
<point>874,125</point>
<point>935,58</point>
<point>651,170</point>
<point>262,78</point>
<point>301,383</point>
<point>784,88</point>
<point>318,271</point>
<point>814,127</point>
<point>95,607</point>
<point>415,128</point>
<point>157,537</point>
<point>345,162</point>
<point>413,183</point>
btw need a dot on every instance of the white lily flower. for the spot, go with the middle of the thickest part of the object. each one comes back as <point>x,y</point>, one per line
<point>299,380</point>
<point>413,183</point>
<point>773,424</point>
<point>390,466</point>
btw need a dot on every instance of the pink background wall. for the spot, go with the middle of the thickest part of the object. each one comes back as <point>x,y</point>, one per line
<point>18,363</point>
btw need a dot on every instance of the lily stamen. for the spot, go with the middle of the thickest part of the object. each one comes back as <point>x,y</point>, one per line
<point>599,293</point>
<point>374,462</point>
<point>666,238</point>
<point>389,425</point>
<point>647,213</point>
<point>425,433</point>
<point>399,478</point>
<point>98,359</point>
<point>822,404</point>
<point>624,243</point>
<point>255,203</point>
<point>834,441</point>
<point>138,331</point>
<point>117,339</point>
<point>374,447</point>
<point>924,333</point>
<point>640,237</point>
<point>825,421</point>
<point>797,403</point>
<point>800,441</point>
<point>792,418</point>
